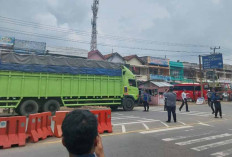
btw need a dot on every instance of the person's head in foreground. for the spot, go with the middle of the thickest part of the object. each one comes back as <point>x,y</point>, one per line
<point>80,134</point>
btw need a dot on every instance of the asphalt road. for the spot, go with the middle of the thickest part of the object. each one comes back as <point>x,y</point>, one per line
<point>138,133</point>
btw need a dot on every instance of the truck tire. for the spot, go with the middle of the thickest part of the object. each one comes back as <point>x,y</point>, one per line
<point>52,106</point>
<point>128,104</point>
<point>28,107</point>
<point>114,108</point>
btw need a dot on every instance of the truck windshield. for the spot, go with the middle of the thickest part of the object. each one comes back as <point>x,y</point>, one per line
<point>132,83</point>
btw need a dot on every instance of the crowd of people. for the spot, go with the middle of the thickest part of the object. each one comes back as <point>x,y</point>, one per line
<point>214,101</point>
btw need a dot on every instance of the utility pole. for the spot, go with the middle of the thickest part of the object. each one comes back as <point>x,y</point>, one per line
<point>214,52</point>
<point>93,45</point>
<point>200,76</point>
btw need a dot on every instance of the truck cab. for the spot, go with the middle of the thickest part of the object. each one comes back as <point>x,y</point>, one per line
<point>130,89</point>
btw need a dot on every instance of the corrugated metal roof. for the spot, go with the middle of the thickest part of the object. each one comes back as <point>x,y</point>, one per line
<point>162,84</point>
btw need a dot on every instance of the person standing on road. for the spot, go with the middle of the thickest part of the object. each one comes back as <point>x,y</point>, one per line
<point>210,102</point>
<point>184,101</point>
<point>217,104</point>
<point>146,100</point>
<point>165,100</point>
<point>171,104</point>
<point>80,134</point>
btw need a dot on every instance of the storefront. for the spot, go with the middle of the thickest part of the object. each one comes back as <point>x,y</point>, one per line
<point>156,90</point>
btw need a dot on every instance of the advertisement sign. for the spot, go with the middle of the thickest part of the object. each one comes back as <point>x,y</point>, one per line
<point>24,46</point>
<point>158,61</point>
<point>160,77</point>
<point>213,61</point>
<point>6,42</point>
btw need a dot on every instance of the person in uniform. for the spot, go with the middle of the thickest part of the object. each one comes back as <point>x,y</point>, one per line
<point>171,104</point>
<point>217,104</point>
<point>146,100</point>
<point>213,93</point>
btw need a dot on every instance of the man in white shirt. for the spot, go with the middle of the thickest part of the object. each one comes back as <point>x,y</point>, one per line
<point>184,101</point>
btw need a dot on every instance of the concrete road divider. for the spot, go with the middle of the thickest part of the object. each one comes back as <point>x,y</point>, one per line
<point>12,131</point>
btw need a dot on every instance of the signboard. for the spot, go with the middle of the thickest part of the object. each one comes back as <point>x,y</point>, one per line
<point>24,46</point>
<point>6,42</point>
<point>213,61</point>
<point>200,100</point>
<point>158,61</point>
<point>160,77</point>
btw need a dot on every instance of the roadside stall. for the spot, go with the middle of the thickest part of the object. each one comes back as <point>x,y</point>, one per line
<point>156,90</point>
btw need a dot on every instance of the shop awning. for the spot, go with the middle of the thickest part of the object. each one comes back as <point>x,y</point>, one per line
<point>162,84</point>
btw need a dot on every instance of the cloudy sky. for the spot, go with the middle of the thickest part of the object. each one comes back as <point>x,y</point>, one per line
<point>178,29</point>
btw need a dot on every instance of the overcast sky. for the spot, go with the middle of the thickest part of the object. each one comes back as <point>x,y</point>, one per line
<point>146,27</point>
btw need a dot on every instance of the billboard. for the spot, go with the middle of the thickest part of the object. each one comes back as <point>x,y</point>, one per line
<point>6,42</point>
<point>24,46</point>
<point>158,61</point>
<point>213,61</point>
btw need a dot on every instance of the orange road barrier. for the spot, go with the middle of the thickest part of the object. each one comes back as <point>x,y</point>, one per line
<point>58,119</point>
<point>12,131</point>
<point>39,126</point>
<point>104,120</point>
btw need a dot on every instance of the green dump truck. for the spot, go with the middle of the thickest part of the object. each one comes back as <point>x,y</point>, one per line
<point>32,83</point>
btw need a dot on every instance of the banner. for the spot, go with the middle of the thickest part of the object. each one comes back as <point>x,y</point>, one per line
<point>158,61</point>
<point>6,42</point>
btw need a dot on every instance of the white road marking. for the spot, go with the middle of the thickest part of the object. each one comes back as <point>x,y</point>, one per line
<point>181,122</point>
<point>222,153</point>
<point>203,139</point>
<point>196,113</point>
<point>201,123</point>
<point>146,119</point>
<point>158,109</point>
<point>118,118</point>
<point>162,111</point>
<point>183,112</point>
<point>118,114</point>
<point>184,137</point>
<point>166,129</point>
<point>145,126</point>
<point>164,124</point>
<point>135,122</point>
<point>212,145</point>
<point>123,128</point>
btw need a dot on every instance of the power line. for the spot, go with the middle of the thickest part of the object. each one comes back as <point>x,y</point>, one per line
<point>85,33</point>
<point>86,42</point>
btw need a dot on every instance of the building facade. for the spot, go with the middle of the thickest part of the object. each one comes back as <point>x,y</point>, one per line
<point>176,71</point>
<point>137,67</point>
<point>158,68</point>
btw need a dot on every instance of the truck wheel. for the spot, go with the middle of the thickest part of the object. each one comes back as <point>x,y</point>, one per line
<point>28,107</point>
<point>114,108</point>
<point>128,104</point>
<point>52,106</point>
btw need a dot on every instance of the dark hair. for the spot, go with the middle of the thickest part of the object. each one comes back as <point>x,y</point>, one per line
<point>79,131</point>
<point>171,89</point>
